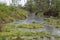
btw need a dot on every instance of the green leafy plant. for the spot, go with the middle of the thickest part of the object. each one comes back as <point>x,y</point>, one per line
<point>11,13</point>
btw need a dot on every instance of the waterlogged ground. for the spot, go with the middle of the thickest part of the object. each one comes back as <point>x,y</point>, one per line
<point>35,27</point>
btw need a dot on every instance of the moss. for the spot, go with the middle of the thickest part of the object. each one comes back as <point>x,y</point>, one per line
<point>21,33</point>
<point>30,26</point>
<point>56,36</point>
<point>52,21</point>
<point>8,27</point>
<point>33,21</point>
<point>44,34</point>
<point>27,39</point>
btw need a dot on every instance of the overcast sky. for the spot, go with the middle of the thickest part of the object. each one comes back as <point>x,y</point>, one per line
<point>9,1</point>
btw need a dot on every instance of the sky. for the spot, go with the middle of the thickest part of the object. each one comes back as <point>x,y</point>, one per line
<point>9,1</point>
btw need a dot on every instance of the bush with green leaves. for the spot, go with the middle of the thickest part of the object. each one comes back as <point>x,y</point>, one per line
<point>11,13</point>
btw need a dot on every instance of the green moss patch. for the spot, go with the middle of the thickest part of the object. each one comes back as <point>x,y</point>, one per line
<point>30,26</point>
